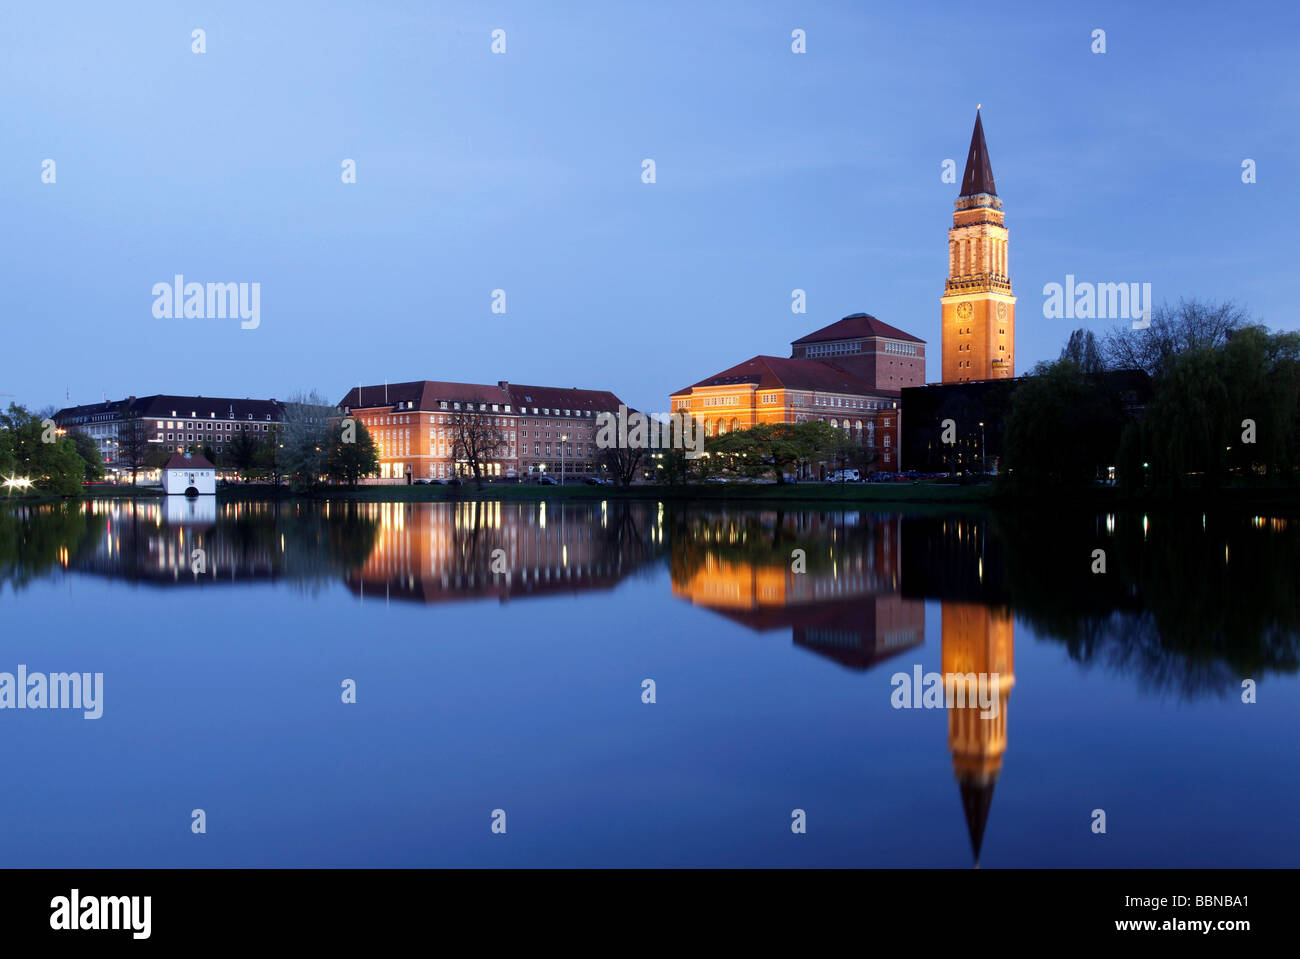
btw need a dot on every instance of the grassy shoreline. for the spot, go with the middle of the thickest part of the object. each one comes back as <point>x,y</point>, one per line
<point>927,493</point>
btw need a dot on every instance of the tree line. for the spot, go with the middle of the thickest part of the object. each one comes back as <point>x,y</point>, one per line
<point>1220,404</point>
<point>34,451</point>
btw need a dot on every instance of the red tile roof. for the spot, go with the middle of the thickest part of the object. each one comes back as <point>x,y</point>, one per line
<point>775,372</point>
<point>856,325</point>
<point>426,395</point>
<point>556,396</point>
<point>180,461</point>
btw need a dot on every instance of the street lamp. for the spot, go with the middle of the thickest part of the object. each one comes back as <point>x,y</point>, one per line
<point>563,440</point>
<point>983,461</point>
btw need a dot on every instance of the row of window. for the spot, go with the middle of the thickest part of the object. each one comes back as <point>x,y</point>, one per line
<point>491,421</point>
<point>213,416</point>
<point>902,349</point>
<point>449,470</point>
<point>191,438</point>
<point>496,408</point>
<point>177,424</point>
<point>833,349</point>
<point>803,399</point>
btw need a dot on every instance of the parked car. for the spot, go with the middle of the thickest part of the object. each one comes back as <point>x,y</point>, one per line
<point>596,481</point>
<point>548,481</point>
<point>716,479</point>
<point>844,476</point>
<point>422,482</point>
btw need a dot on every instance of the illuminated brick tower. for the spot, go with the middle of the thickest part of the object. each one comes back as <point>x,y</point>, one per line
<point>979,312</point>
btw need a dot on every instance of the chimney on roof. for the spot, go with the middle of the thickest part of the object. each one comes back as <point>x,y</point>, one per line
<point>504,384</point>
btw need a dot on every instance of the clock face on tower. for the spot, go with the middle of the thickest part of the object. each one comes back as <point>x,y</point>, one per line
<point>965,311</point>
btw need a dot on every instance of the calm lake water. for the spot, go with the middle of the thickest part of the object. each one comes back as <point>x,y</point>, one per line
<point>513,681</point>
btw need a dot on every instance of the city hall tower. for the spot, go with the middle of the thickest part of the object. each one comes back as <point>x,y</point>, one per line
<point>978,310</point>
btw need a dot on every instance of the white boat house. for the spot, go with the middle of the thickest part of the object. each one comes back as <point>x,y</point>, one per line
<point>189,475</point>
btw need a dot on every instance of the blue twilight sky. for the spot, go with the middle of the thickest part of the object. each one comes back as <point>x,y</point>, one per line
<point>522,172</point>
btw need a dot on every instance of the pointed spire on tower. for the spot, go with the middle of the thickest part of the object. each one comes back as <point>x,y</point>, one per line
<point>976,800</point>
<point>979,172</point>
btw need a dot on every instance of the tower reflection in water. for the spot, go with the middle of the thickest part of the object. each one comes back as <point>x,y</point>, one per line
<point>852,603</point>
<point>978,640</point>
<point>848,586</point>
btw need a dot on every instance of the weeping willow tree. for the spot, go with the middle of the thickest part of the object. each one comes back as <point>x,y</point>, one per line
<point>1226,411</point>
<point>1063,428</point>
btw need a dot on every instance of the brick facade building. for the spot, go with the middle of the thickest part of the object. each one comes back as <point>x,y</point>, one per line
<point>545,429</point>
<point>849,374</point>
<point>172,423</point>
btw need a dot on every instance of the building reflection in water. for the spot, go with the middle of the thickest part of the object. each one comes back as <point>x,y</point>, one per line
<point>174,540</point>
<point>981,640</point>
<point>858,601</point>
<point>443,552</point>
<point>850,605</point>
<point>956,560</point>
<point>845,605</point>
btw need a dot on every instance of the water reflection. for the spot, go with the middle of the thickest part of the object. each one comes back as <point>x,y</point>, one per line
<point>181,542</point>
<point>442,552</point>
<point>981,640</point>
<point>832,579</point>
<point>1188,605</point>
